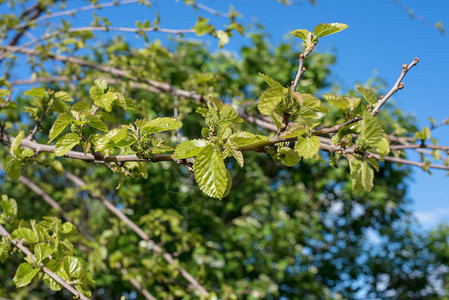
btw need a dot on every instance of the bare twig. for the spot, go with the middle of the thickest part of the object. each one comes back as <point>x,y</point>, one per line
<point>19,245</point>
<point>396,87</point>
<point>159,86</point>
<point>142,234</point>
<point>211,10</point>
<point>71,12</point>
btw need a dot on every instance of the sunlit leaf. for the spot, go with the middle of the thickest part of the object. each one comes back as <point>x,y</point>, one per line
<point>210,172</point>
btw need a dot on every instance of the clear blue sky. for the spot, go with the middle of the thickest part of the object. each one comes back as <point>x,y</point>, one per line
<point>380,38</point>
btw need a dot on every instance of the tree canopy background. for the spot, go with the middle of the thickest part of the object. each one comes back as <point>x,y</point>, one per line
<point>282,232</point>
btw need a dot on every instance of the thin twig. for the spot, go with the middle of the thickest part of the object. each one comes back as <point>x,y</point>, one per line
<point>19,245</point>
<point>71,12</point>
<point>396,87</point>
<point>211,10</point>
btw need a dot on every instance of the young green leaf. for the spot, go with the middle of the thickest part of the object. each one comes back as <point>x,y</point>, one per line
<point>243,138</point>
<point>367,176</point>
<point>273,83</point>
<point>233,150</point>
<point>35,92</point>
<point>223,38</point>
<point>102,99</point>
<point>96,123</point>
<point>64,96</point>
<point>16,143</point>
<point>210,172</point>
<point>51,283</point>
<point>288,156</point>
<point>66,143</point>
<point>308,147</point>
<point>73,267</point>
<point>228,115</point>
<point>12,167</point>
<point>368,95</point>
<point>161,124</point>
<point>58,126</point>
<point>3,92</point>
<point>371,131</point>
<point>9,207</point>
<point>270,99</point>
<point>68,228</point>
<point>355,167</point>
<point>302,34</point>
<point>340,102</point>
<point>24,275</point>
<point>325,29</point>
<point>42,251</point>
<point>202,27</point>
<point>189,148</point>
<point>293,130</point>
<point>25,234</point>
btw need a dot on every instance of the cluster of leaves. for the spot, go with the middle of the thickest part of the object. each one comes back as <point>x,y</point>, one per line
<point>48,241</point>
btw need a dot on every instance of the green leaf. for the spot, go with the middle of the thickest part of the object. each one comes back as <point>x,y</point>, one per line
<point>25,234</point>
<point>51,283</point>
<point>161,124</point>
<point>12,167</point>
<point>273,83</point>
<point>353,101</point>
<point>202,27</point>
<point>35,92</point>
<point>64,96</point>
<point>73,267</point>
<point>42,251</point>
<point>101,84</point>
<point>229,115</point>
<point>233,150</point>
<point>96,123</point>
<point>302,34</point>
<point>115,135</point>
<point>16,143</point>
<point>66,143</point>
<point>367,176</point>
<point>308,147</point>
<point>382,147</point>
<point>293,130</point>
<point>190,148</point>
<point>9,207</point>
<point>371,131</point>
<point>24,275</point>
<point>424,134</point>
<point>340,102</point>
<point>102,99</point>
<point>223,38</point>
<point>368,95</point>
<point>4,92</point>
<point>270,99</point>
<point>58,126</point>
<point>243,138</point>
<point>210,172</point>
<point>325,29</point>
<point>288,156</point>
<point>68,228</point>
<point>355,168</point>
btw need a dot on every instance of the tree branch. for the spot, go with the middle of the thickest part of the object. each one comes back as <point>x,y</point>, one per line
<point>396,87</point>
<point>71,12</point>
<point>19,245</point>
<point>50,201</point>
<point>142,234</point>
